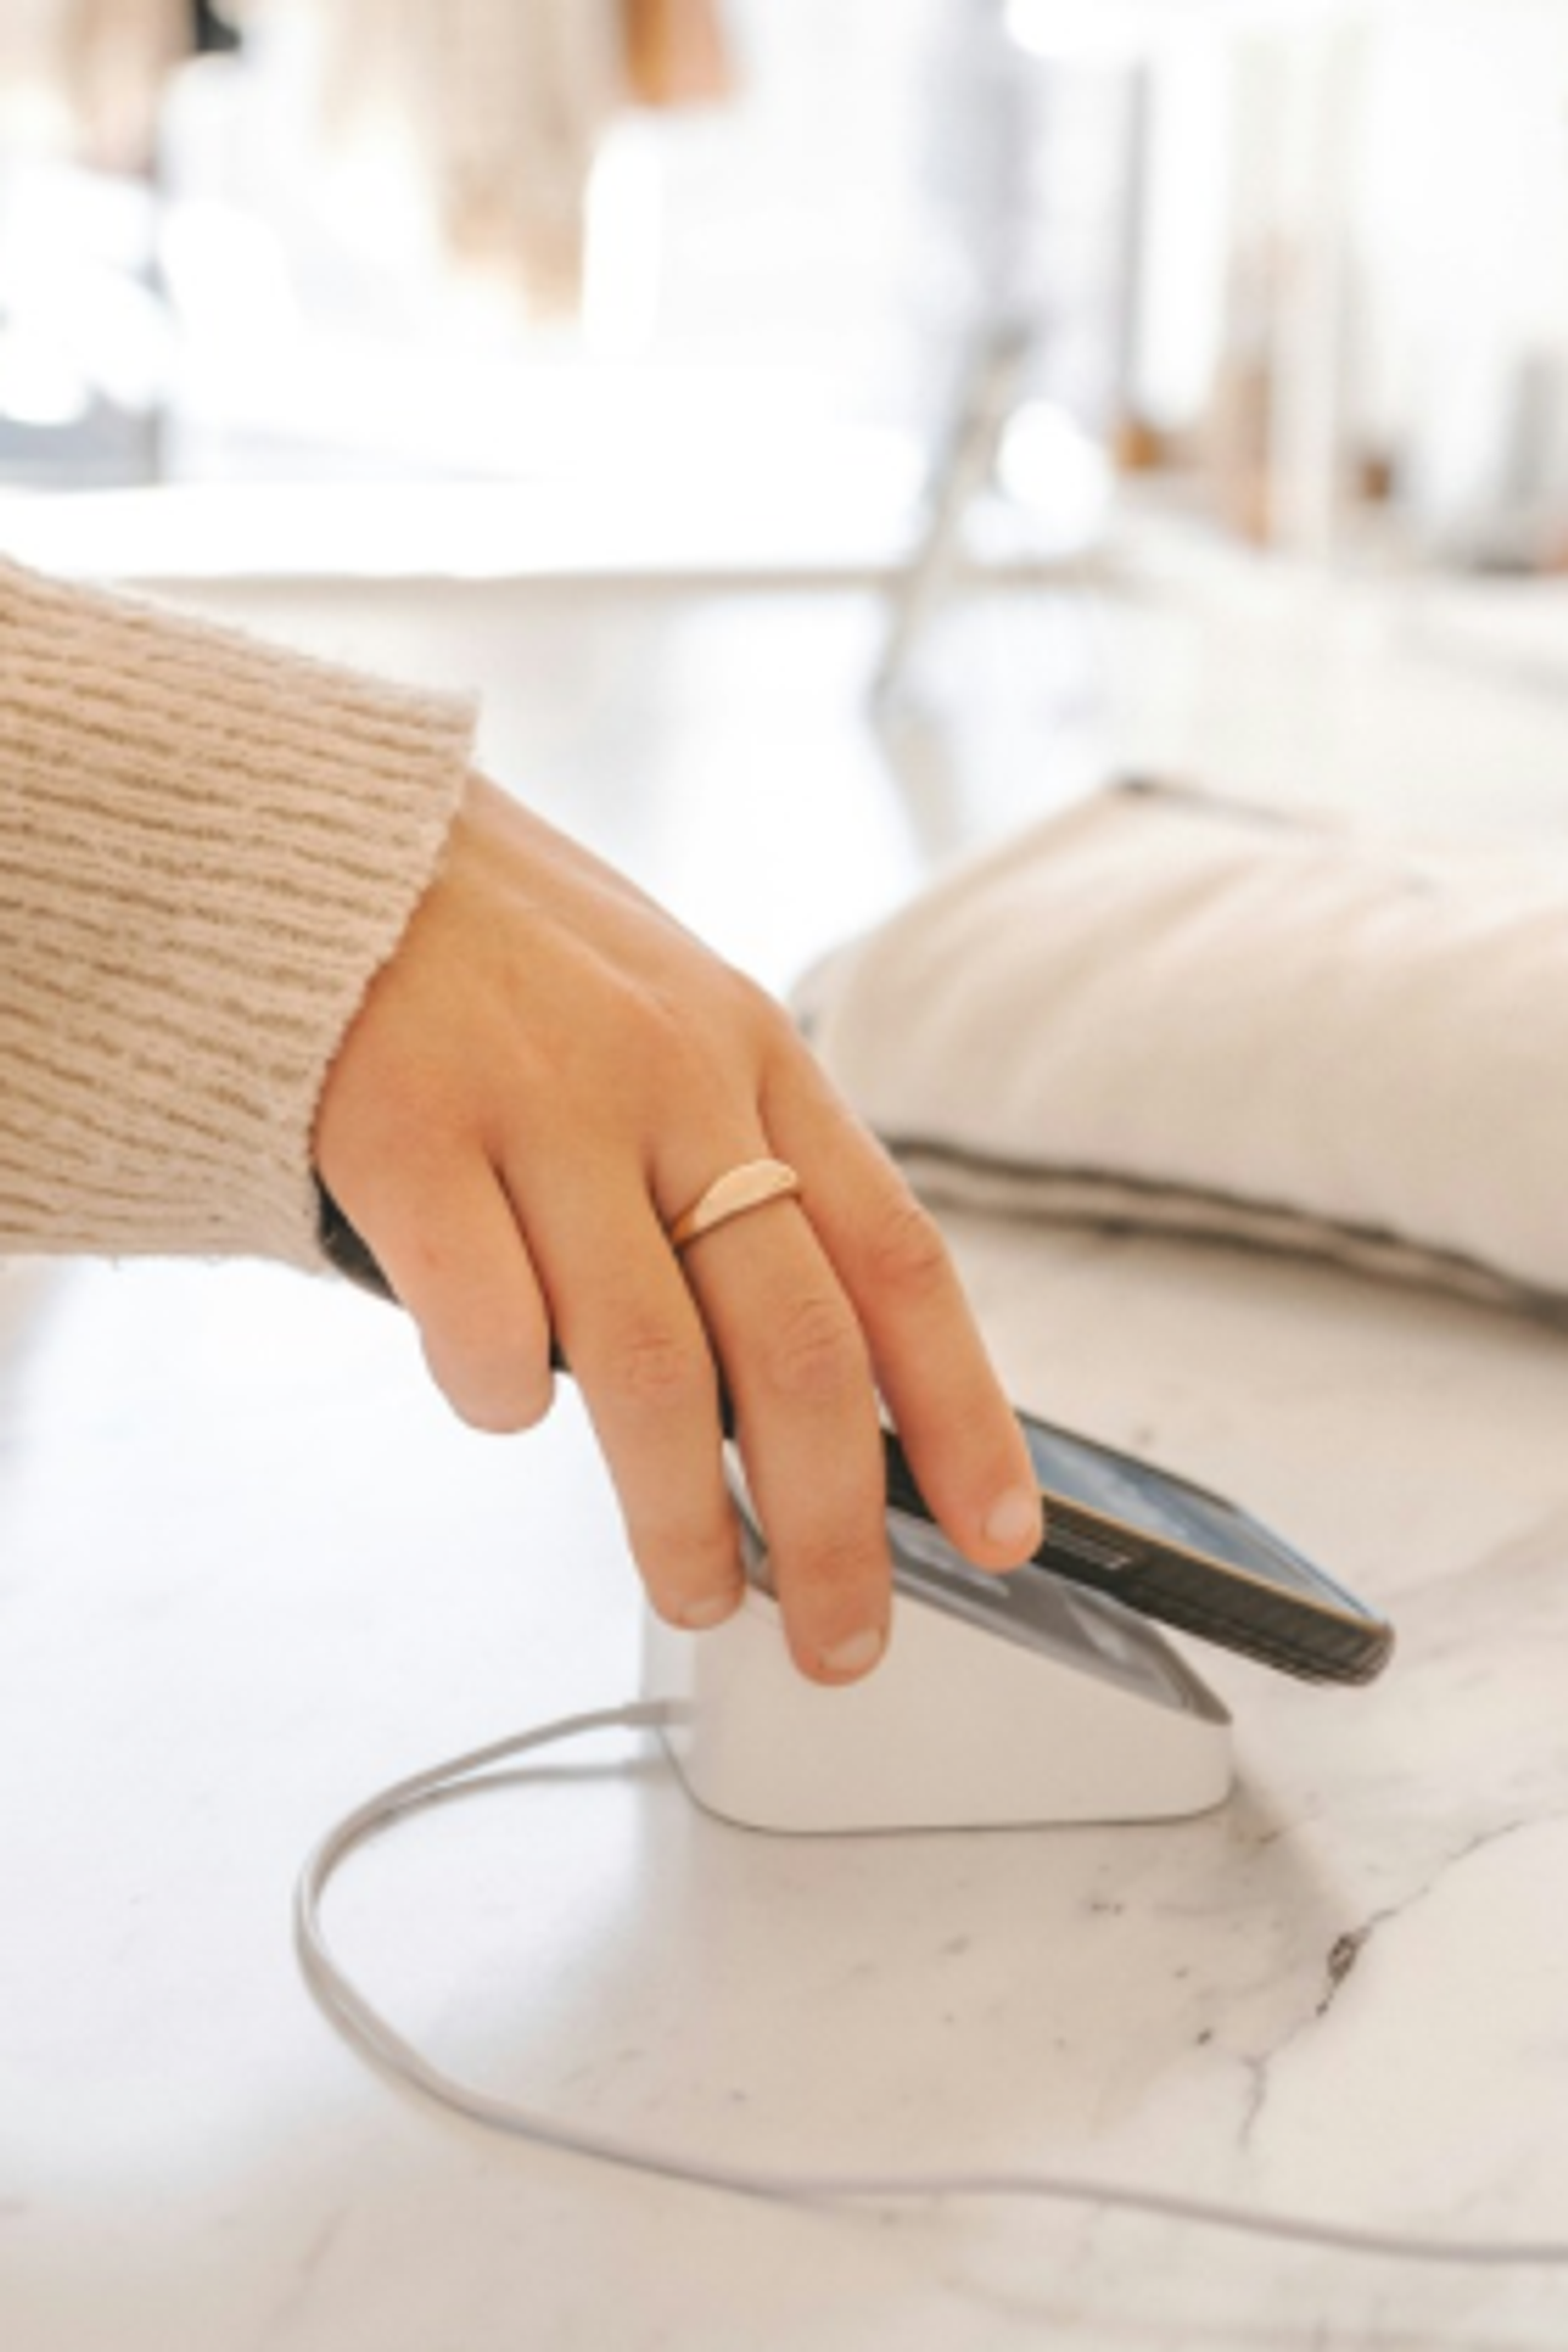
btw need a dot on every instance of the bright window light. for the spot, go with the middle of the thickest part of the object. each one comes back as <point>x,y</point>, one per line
<point>1115,31</point>
<point>40,383</point>
<point>624,248</point>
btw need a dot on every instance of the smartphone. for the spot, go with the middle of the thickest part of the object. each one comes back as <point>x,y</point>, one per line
<point>1148,1538</point>
<point>1170,1551</point>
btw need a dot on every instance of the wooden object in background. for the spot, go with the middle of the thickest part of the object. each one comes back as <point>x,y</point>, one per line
<point>676,53</point>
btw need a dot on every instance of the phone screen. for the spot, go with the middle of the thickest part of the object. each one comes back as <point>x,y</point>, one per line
<point>1175,1551</point>
<point>1156,1502</point>
<point>1181,1552</point>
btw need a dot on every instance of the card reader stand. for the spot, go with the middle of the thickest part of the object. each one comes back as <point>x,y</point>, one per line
<point>1002,1701</point>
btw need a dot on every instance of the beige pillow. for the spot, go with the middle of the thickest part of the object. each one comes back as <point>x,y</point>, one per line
<point>1170,1012</point>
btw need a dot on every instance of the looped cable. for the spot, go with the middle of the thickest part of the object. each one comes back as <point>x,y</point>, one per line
<point>357,2019</point>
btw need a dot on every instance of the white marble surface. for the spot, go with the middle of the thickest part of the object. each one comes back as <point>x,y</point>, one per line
<point>249,1570</point>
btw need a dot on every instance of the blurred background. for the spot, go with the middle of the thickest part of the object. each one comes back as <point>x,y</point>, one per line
<point>721,275</point>
<point>1014,326</point>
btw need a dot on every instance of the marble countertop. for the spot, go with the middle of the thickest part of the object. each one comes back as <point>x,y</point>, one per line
<point>251,1570</point>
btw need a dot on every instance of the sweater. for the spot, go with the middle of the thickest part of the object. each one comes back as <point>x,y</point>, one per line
<point>207,847</point>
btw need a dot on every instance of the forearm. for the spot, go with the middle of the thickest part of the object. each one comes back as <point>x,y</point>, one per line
<point>207,847</point>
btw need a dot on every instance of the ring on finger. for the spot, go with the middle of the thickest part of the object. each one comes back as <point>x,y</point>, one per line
<point>751,1185</point>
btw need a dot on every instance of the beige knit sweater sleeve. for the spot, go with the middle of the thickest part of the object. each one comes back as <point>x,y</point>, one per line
<point>206,850</point>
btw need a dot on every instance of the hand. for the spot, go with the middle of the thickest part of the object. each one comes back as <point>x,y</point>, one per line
<point>544,1076</point>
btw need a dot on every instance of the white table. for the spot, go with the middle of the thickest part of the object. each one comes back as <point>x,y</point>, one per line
<point>249,1570</point>
<point>255,1572</point>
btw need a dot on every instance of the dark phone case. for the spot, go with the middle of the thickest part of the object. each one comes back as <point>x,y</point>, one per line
<point>1325,1635</point>
<point>1326,1638</point>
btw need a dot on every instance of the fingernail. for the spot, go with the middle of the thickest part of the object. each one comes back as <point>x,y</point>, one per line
<point>699,1615</point>
<point>857,1655</point>
<point>1012,1523</point>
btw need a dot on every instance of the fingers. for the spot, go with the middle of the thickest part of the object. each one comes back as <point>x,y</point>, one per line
<point>959,1432</point>
<point>796,1366</point>
<point>544,1075</point>
<point>805,1310</point>
<point>451,1250</point>
<point>648,1334</point>
<point>628,1324</point>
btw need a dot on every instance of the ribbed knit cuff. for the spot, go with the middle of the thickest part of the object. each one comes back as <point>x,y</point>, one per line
<point>207,847</point>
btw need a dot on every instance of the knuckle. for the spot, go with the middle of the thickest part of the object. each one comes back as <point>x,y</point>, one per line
<point>759,1015</point>
<point>701,1035</point>
<point>663,1030</point>
<point>650,1368</point>
<point>905,1251</point>
<point>833,1573</point>
<point>816,1353</point>
<point>680,1059</point>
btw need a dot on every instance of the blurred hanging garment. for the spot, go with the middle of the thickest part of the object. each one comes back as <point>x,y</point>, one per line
<point>676,53</point>
<point>499,105</point>
<point>503,104</point>
<point>91,73</point>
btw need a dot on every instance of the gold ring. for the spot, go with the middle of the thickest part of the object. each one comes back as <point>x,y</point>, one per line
<point>751,1185</point>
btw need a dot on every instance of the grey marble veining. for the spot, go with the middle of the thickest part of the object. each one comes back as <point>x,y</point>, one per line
<point>1346,1992</point>
<point>249,1570</point>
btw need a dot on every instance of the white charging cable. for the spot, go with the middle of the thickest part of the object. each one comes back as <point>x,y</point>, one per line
<point>364,2026</point>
